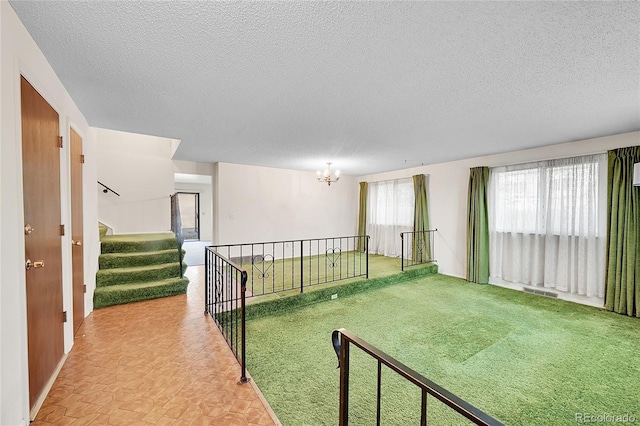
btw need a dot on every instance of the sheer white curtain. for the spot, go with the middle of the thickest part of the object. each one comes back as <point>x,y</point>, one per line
<point>390,206</point>
<point>547,224</point>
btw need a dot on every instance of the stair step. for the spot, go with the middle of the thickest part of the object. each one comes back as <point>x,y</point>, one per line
<point>128,243</point>
<point>137,291</point>
<point>117,276</point>
<point>127,260</point>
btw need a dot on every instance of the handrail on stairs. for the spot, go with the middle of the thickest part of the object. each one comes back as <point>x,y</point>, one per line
<point>107,189</point>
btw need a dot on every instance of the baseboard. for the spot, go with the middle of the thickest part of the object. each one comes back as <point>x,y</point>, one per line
<point>264,401</point>
<point>43,395</point>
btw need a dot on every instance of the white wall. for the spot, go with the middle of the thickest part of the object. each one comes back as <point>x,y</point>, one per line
<point>267,204</point>
<point>140,169</point>
<point>20,55</point>
<point>448,186</point>
<point>193,168</point>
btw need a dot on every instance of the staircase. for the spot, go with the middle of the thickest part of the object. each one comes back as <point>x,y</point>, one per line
<point>136,267</point>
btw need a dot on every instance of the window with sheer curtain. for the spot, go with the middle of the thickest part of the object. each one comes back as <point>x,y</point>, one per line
<point>390,207</point>
<point>546,224</point>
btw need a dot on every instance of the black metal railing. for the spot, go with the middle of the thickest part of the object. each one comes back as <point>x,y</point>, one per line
<point>176,227</point>
<point>106,189</point>
<point>225,299</point>
<point>278,266</point>
<point>417,247</point>
<point>342,340</point>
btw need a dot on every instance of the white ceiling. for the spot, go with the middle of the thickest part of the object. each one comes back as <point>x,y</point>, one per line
<point>371,86</point>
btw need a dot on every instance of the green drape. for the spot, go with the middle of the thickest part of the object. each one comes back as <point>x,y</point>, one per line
<point>362,216</point>
<point>421,250</point>
<point>478,227</point>
<point>622,284</point>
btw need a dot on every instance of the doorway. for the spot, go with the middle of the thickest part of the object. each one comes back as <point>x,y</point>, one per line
<point>77,250</point>
<point>189,203</point>
<point>42,238</point>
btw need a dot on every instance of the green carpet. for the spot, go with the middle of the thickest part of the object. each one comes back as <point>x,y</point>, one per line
<point>136,267</point>
<point>126,243</point>
<point>285,302</point>
<point>114,276</point>
<point>137,291</point>
<point>126,260</point>
<point>524,359</point>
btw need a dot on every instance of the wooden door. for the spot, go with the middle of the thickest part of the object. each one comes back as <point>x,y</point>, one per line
<point>42,241</point>
<point>77,250</point>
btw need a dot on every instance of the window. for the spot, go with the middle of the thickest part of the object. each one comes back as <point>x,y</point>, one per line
<point>545,220</point>
<point>392,202</point>
<point>390,206</point>
<point>514,199</point>
<point>556,196</point>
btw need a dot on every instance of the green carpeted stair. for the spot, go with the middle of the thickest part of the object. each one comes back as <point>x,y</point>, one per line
<point>136,267</point>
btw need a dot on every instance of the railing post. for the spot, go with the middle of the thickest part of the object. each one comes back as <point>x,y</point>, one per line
<point>180,259</point>
<point>243,297</point>
<point>344,381</point>
<point>379,394</point>
<point>402,251</point>
<point>366,242</point>
<point>207,280</point>
<point>423,410</point>
<point>301,266</point>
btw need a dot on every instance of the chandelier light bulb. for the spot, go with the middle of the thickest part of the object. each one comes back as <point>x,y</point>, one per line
<point>327,177</point>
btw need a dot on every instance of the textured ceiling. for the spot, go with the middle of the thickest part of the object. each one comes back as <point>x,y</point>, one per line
<point>371,86</point>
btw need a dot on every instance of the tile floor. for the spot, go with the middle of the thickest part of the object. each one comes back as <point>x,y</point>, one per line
<point>157,362</point>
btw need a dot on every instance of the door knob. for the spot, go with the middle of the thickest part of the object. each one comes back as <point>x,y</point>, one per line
<point>28,229</point>
<point>36,264</point>
<point>76,243</point>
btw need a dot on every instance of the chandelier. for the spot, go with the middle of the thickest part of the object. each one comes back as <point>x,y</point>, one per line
<point>327,177</point>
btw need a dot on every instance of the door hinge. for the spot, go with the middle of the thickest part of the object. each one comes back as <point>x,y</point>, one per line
<point>64,316</point>
<point>84,288</point>
<point>82,158</point>
<point>62,230</point>
<point>60,145</point>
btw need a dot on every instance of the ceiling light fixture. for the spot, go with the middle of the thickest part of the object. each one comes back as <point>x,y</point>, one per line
<point>327,176</point>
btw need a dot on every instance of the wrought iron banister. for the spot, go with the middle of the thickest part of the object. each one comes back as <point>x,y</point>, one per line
<point>342,339</point>
<point>278,266</point>
<point>107,189</point>
<point>417,247</point>
<point>225,300</point>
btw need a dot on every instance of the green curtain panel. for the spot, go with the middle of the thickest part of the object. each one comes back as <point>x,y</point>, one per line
<point>622,284</point>
<point>362,216</point>
<point>478,227</point>
<point>421,250</point>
